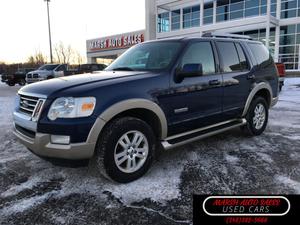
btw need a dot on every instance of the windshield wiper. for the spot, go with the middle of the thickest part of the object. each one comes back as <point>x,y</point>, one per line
<point>122,69</point>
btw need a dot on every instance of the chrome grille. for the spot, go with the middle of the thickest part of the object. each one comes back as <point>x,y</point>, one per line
<point>27,104</point>
<point>31,106</point>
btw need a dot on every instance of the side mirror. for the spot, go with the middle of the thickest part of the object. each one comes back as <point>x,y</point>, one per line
<point>190,70</point>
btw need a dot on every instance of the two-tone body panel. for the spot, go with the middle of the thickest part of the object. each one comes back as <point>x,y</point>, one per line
<point>177,105</point>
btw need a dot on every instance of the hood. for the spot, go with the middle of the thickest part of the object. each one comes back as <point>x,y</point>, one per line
<point>49,87</point>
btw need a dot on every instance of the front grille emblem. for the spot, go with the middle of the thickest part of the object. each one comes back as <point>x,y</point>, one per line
<point>25,103</point>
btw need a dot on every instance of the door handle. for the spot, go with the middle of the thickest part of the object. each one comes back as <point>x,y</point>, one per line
<point>214,82</point>
<point>251,77</point>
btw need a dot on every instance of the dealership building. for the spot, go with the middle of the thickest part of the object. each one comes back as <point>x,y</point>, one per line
<point>276,23</point>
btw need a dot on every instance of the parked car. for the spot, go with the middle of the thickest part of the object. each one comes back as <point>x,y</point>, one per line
<point>281,74</point>
<point>46,72</point>
<point>86,68</point>
<point>16,78</point>
<point>186,89</point>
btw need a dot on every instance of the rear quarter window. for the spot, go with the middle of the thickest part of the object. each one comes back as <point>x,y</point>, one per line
<point>229,57</point>
<point>261,54</point>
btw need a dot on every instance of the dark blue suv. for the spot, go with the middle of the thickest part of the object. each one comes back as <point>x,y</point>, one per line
<point>159,93</point>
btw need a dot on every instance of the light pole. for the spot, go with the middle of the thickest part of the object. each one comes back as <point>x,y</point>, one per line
<point>50,42</point>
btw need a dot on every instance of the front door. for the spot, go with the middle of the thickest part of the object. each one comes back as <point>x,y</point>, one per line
<point>195,102</point>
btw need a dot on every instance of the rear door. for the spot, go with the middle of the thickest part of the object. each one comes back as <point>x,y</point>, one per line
<point>237,77</point>
<point>195,101</point>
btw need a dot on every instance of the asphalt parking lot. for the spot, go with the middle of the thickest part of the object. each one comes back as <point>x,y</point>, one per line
<point>33,191</point>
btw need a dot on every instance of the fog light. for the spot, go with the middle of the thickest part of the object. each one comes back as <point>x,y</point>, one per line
<point>58,139</point>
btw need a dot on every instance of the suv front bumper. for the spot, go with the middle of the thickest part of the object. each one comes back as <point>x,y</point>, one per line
<point>40,143</point>
<point>42,146</point>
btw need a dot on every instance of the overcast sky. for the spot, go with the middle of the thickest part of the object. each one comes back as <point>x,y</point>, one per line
<point>24,29</point>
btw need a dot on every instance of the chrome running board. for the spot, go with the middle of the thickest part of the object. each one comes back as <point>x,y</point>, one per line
<point>194,135</point>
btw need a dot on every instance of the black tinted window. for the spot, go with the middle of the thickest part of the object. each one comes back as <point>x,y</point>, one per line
<point>95,67</point>
<point>242,57</point>
<point>229,57</point>
<point>200,52</point>
<point>261,54</point>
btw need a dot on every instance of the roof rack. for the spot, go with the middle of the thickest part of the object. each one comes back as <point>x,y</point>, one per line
<point>226,35</point>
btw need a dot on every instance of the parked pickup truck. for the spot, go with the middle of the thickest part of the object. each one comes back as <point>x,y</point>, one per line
<point>86,68</point>
<point>46,72</point>
<point>17,78</point>
<point>160,93</point>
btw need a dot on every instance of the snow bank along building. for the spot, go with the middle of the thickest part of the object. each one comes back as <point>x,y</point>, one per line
<point>274,22</point>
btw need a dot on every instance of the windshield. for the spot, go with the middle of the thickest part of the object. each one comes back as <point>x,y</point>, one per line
<point>48,67</point>
<point>147,56</point>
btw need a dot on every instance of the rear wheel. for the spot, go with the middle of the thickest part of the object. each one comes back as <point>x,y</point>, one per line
<point>257,117</point>
<point>10,83</point>
<point>125,150</point>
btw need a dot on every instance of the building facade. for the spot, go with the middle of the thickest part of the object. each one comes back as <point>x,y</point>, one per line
<point>106,49</point>
<point>276,23</point>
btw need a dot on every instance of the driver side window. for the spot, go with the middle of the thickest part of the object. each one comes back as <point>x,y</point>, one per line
<point>61,68</point>
<point>200,52</point>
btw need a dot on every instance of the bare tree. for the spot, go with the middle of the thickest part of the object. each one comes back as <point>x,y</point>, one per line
<point>63,53</point>
<point>37,59</point>
<point>78,58</point>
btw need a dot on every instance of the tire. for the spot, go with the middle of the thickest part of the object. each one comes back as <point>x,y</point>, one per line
<point>109,148</point>
<point>22,82</point>
<point>258,111</point>
<point>10,84</point>
<point>50,77</point>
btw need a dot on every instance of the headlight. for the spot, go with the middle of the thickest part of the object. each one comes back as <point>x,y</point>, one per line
<point>72,107</point>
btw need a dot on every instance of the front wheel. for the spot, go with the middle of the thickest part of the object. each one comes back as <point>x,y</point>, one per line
<point>125,150</point>
<point>257,117</point>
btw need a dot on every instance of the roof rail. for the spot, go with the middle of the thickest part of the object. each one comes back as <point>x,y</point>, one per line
<point>226,35</point>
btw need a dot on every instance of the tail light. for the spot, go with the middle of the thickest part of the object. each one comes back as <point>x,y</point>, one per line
<point>280,69</point>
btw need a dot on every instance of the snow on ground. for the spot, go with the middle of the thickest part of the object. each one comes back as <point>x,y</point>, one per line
<point>229,163</point>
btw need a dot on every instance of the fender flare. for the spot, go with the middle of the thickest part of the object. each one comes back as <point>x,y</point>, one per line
<point>125,105</point>
<point>257,88</point>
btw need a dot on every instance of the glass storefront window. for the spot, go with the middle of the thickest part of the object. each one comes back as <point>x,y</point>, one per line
<point>163,22</point>
<point>287,40</point>
<point>191,16</point>
<point>251,3</point>
<point>290,9</point>
<point>252,12</point>
<point>175,18</point>
<point>208,13</point>
<point>237,6</point>
<point>289,46</point>
<point>236,15</point>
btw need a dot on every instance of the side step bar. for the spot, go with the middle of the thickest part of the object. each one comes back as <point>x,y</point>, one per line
<point>194,135</point>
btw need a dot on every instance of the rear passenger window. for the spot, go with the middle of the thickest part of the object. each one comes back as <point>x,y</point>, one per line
<point>200,52</point>
<point>261,54</point>
<point>242,57</point>
<point>229,57</point>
